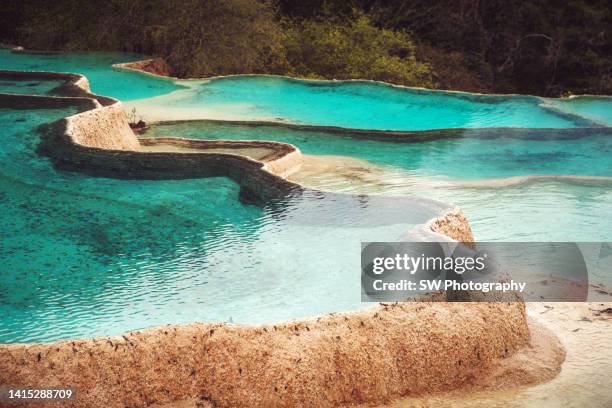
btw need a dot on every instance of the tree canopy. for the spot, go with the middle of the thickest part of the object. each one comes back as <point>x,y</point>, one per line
<point>546,47</point>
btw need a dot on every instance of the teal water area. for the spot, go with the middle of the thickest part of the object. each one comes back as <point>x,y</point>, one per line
<point>466,171</point>
<point>361,104</point>
<point>87,256</point>
<point>29,86</point>
<point>595,108</point>
<point>471,155</point>
<point>83,256</point>
<point>352,104</point>
<point>96,66</point>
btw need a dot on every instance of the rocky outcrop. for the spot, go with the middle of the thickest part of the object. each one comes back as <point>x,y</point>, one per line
<point>455,225</point>
<point>154,66</point>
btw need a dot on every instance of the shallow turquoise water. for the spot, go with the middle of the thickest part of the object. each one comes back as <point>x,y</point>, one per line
<point>357,104</point>
<point>494,155</point>
<point>83,256</point>
<point>29,86</point>
<point>103,79</point>
<point>549,210</point>
<point>364,105</point>
<point>597,109</point>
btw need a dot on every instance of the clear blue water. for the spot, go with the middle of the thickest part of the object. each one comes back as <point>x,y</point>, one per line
<point>495,155</point>
<point>365,105</point>
<point>103,79</point>
<point>362,105</point>
<point>29,86</point>
<point>542,210</point>
<point>597,109</point>
<point>83,256</point>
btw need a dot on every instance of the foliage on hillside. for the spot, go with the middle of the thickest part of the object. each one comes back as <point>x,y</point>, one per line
<point>357,49</point>
<point>546,47</point>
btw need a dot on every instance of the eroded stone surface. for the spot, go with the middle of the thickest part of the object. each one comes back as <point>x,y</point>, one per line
<point>372,356</point>
<point>105,128</point>
<point>454,225</point>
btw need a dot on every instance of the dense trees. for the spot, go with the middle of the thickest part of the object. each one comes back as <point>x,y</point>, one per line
<point>546,47</point>
<point>354,49</point>
<point>211,37</point>
<point>196,37</point>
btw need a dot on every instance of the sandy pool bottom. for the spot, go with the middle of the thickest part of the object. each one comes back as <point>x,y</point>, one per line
<point>257,153</point>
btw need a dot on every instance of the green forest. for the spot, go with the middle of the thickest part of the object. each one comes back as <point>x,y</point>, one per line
<point>541,47</point>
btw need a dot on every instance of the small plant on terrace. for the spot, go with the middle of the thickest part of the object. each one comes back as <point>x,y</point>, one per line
<point>135,120</point>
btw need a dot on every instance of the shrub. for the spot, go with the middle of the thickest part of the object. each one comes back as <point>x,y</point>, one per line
<point>326,48</point>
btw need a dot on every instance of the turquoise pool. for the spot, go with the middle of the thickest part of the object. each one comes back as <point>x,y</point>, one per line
<point>86,256</point>
<point>31,87</point>
<point>597,109</point>
<point>470,171</point>
<point>470,156</point>
<point>363,105</point>
<point>96,67</point>
<point>358,104</point>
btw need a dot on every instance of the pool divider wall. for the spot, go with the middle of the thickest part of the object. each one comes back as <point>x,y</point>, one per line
<point>105,127</point>
<point>257,179</point>
<point>98,140</point>
<point>250,174</point>
<point>370,356</point>
<point>283,159</point>
<point>415,136</point>
<point>18,101</point>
